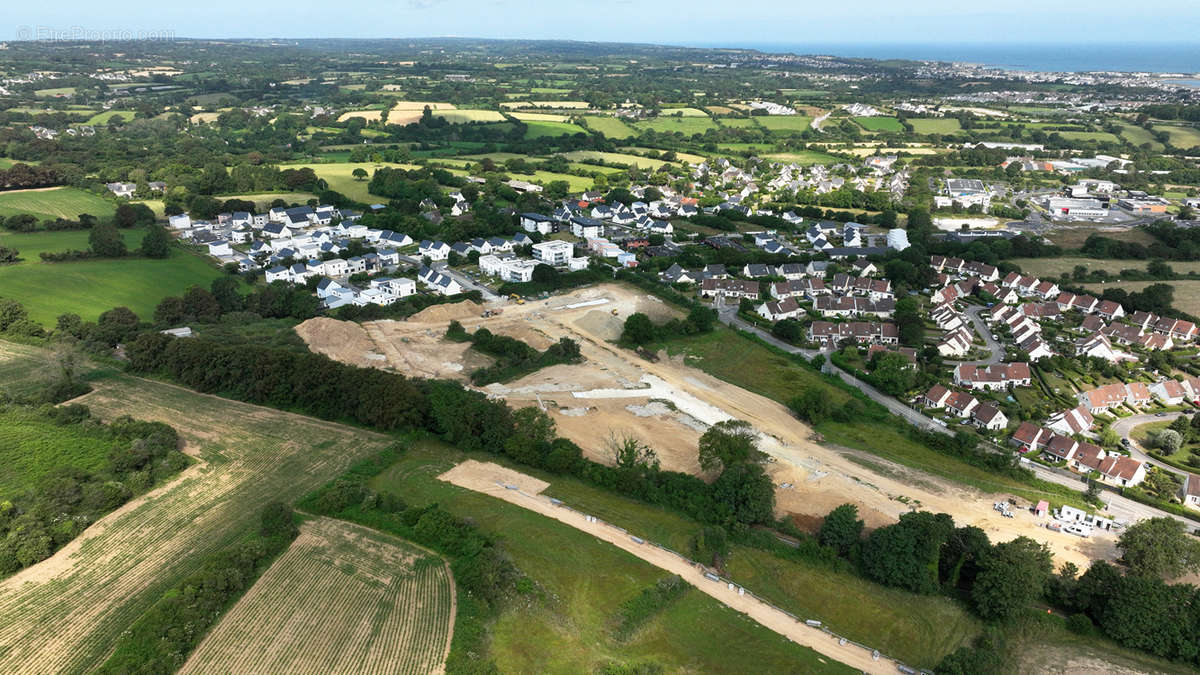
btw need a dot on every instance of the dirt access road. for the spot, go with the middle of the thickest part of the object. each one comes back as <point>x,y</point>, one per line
<point>669,404</point>
<point>494,480</point>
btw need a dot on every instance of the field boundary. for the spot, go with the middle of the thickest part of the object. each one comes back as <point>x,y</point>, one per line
<point>479,477</point>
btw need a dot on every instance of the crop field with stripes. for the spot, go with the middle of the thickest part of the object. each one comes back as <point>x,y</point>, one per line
<point>64,614</point>
<point>341,599</point>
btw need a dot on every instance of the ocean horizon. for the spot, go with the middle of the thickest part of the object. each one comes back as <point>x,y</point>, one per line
<point>1165,57</point>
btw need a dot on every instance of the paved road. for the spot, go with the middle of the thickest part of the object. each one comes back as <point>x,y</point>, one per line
<point>1124,427</point>
<point>981,327</point>
<point>467,282</point>
<point>1121,509</point>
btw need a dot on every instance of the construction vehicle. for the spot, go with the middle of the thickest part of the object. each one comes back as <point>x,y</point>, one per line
<point>520,301</point>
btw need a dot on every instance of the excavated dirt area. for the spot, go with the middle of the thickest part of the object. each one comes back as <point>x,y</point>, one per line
<point>667,404</point>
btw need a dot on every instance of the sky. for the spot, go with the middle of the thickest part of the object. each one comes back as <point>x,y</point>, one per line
<point>679,22</point>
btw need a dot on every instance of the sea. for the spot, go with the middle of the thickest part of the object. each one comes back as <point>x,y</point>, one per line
<point>1158,57</point>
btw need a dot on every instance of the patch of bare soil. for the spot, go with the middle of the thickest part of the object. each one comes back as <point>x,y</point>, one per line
<point>343,341</point>
<point>467,309</point>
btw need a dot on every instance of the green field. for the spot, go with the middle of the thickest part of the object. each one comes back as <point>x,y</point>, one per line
<point>683,125</point>
<point>32,446</point>
<point>1137,136</point>
<point>64,202</point>
<point>609,126</point>
<point>1101,136</point>
<point>785,123</point>
<point>340,177</point>
<point>564,625</point>
<point>1180,137</point>
<point>67,617</point>
<point>1187,293</point>
<point>932,125</point>
<point>738,122</point>
<point>90,287</point>
<point>54,92</point>
<point>614,158</point>
<point>803,157</point>
<point>1052,268</point>
<point>888,124</point>
<point>464,116</point>
<point>554,129</point>
<point>104,117</point>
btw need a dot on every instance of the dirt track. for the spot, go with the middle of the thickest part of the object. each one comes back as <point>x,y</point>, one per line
<point>668,404</point>
<point>493,480</point>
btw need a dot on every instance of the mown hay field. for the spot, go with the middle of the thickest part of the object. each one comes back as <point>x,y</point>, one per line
<point>609,126</point>
<point>342,599</point>
<point>65,613</point>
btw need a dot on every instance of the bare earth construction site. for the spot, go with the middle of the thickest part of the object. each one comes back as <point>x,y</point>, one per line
<point>667,404</point>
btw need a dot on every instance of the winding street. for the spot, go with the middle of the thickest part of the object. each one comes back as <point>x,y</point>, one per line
<point>981,327</point>
<point>1125,425</point>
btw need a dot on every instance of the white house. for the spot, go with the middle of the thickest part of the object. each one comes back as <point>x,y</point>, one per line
<point>553,252</point>
<point>180,222</point>
<point>434,250</point>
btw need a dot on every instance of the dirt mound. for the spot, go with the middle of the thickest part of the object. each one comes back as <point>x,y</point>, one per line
<point>446,313</point>
<point>601,323</point>
<point>343,341</point>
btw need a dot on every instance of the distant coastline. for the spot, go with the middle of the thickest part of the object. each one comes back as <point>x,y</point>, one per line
<point>1167,57</point>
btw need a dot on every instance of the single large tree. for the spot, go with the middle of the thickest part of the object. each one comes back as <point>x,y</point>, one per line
<point>1012,575</point>
<point>156,243</point>
<point>1159,547</point>
<point>728,443</point>
<point>106,241</point>
<point>842,529</point>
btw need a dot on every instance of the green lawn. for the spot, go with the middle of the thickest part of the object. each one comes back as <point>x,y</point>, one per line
<point>65,202</point>
<point>90,287</point>
<point>933,125</point>
<point>1180,137</point>
<point>889,124</point>
<point>32,446</point>
<point>565,625</point>
<point>609,126</point>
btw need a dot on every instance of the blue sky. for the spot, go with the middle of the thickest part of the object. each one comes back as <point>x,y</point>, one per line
<point>699,22</point>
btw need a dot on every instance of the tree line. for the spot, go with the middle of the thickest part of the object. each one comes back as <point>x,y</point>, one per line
<point>319,386</point>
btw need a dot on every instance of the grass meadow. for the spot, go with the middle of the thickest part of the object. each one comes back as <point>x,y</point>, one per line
<point>48,204</point>
<point>89,287</point>
<point>542,129</point>
<point>934,125</point>
<point>32,447</point>
<point>1180,137</point>
<point>565,624</point>
<point>683,125</point>
<point>888,124</point>
<point>609,126</point>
